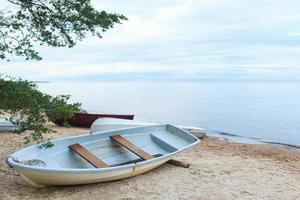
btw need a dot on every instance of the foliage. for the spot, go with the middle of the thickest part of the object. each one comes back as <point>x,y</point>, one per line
<point>33,108</point>
<point>56,23</point>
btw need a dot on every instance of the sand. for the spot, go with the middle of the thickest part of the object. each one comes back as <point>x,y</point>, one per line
<point>219,170</point>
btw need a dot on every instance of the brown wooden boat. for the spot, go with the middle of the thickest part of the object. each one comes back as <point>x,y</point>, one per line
<point>86,119</point>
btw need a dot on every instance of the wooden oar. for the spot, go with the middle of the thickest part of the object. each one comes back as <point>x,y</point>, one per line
<point>178,163</point>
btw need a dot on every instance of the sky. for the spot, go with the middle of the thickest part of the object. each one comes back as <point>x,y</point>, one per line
<point>180,40</point>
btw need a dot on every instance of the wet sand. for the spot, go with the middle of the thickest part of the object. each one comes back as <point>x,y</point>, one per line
<point>219,170</point>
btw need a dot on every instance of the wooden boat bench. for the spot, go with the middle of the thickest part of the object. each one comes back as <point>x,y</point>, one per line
<point>88,156</point>
<point>98,163</point>
<point>131,147</point>
<point>141,153</point>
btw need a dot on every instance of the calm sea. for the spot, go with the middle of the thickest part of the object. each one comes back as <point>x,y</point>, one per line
<point>267,111</point>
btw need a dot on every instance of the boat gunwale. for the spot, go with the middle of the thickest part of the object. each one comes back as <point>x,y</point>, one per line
<point>10,162</point>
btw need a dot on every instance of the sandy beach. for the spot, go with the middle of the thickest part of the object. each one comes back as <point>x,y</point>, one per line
<point>219,170</point>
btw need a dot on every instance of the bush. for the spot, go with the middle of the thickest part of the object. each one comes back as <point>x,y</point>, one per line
<point>32,109</point>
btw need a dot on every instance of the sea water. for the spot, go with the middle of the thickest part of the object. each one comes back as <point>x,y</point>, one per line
<point>265,111</point>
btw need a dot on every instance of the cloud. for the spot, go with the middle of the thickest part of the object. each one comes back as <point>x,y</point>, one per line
<point>181,40</point>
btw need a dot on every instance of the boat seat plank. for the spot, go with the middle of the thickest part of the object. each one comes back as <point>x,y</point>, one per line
<point>131,147</point>
<point>88,156</point>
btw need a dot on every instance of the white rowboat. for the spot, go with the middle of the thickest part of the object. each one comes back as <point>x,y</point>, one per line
<point>105,124</point>
<point>6,125</point>
<point>117,154</point>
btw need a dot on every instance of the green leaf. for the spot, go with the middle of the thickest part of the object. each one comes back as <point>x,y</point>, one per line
<point>56,23</point>
<point>32,109</point>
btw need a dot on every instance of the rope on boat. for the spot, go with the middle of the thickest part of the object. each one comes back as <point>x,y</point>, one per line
<point>31,162</point>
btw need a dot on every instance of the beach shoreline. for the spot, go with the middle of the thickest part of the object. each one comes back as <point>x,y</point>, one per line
<point>220,169</point>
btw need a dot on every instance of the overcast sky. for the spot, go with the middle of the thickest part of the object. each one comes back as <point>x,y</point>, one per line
<point>180,40</point>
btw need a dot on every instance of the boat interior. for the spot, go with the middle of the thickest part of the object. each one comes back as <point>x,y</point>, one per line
<point>98,163</point>
<point>116,148</point>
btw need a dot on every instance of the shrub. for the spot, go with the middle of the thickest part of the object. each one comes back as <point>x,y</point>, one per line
<point>32,109</point>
